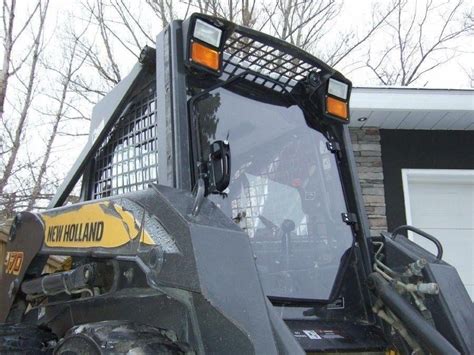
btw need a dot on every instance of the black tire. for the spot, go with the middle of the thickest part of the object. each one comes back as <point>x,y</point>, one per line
<point>119,337</point>
<point>25,339</point>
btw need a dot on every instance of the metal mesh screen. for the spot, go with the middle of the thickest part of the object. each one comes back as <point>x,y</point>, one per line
<point>277,68</point>
<point>128,158</point>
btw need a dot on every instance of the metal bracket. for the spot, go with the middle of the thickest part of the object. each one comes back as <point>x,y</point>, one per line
<point>199,196</point>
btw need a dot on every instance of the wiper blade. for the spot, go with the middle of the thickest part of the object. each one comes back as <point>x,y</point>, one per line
<point>279,301</point>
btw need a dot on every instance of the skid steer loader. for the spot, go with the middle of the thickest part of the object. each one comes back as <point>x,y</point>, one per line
<point>221,213</point>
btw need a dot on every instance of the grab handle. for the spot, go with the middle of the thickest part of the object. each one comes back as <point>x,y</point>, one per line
<point>435,241</point>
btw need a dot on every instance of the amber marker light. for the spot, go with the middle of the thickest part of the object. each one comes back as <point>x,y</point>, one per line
<point>336,107</point>
<point>205,56</point>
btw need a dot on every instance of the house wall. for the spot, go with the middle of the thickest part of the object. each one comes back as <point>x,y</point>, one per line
<point>382,154</point>
<point>368,156</point>
<point>420,149</point>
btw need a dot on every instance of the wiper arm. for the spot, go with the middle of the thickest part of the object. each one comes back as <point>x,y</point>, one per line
<point>217,86</point>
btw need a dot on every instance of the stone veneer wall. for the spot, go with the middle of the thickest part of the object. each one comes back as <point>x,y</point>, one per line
<point>368,156</point>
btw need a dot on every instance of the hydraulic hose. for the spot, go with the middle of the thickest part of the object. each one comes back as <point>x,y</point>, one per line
<point>428,336</point>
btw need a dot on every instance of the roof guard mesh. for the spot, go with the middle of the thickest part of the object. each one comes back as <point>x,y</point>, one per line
<point>270,62</point>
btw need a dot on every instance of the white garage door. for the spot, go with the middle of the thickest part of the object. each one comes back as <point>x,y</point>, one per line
<point>441,202</point>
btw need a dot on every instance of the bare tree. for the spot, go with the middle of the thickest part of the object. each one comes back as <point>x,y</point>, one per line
<point>242,12</point>
<point>248,14</point>
<point>300,22</point>
<point>423,37</point>
<point>114,30</point>
<point>105,65</point>
<point>16,136</point>
<point>163,9</point>
<point>470,76</point>
<point>66,73</point>
<point>305,24</point>
<point>9,40</point>
<point>349,42</point>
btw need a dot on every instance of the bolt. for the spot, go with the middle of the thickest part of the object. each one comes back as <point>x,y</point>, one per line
<point>13,288</point>
<point>155,258</point>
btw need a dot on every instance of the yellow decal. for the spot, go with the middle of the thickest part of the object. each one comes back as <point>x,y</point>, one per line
<point>13,262</point>
<point>102,224</point>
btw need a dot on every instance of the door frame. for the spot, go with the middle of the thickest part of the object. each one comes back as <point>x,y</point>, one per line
<point>430,175</point>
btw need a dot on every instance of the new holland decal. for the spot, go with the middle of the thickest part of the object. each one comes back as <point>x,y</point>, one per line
<point>102,224</point>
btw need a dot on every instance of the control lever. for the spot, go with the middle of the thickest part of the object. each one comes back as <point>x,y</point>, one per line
<point>287,226</point>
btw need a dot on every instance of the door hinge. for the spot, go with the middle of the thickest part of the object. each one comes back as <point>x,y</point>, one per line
<point>333,146</point>
<point>349,218</point>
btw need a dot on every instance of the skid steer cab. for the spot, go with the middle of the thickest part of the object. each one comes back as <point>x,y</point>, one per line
<point>221,213</point>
